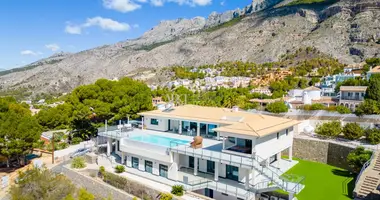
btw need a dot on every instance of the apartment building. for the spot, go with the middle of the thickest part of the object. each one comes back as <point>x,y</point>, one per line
<point>217,152</point>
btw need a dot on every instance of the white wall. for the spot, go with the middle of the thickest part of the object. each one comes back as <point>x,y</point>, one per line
<point>269,145</point>
<point>162,124</point>
<point>172,168</point>
<point>217,195</point>
<point>314,94</point>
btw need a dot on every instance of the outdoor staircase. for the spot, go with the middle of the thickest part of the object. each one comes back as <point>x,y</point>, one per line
<point>369,179</point>
<point>291,185</point>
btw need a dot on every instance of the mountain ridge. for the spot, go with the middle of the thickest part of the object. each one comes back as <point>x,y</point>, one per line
<point>346,30</point>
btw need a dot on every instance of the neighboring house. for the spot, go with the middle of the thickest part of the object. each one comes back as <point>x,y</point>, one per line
<point>352,96</point>
<point>263,90</point>
<point>47,136</point>
<point>305,96</point>
<point>375,70</point>
<point>329,83</point>
<point>239,157</point>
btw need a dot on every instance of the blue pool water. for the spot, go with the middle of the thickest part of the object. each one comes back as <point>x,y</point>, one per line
<point>159,140</point>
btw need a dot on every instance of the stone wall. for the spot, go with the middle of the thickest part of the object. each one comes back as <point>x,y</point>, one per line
<point>321,151</point>
<point>96,187</point>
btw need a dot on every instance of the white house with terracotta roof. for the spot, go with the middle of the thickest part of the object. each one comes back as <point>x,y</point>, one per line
<point>375,70</point>
<point>240,156</point>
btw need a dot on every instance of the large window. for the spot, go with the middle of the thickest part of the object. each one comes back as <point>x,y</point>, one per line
<point>135,162</point>
<point>163,170</point>
<point>154,121</point>
<point>273,159</point>
<point>210,166</point>
<point>149,166</point>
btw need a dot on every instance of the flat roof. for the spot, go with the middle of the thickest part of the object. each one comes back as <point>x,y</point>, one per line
<point>353,88</point>
<point>238,122</point>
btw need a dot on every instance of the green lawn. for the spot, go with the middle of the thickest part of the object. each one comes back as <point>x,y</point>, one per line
<point>323,181</point>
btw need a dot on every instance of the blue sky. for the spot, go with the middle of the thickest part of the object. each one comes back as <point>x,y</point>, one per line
<point>34,29</point>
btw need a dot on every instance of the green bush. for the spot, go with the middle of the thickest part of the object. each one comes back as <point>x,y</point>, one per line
<point>177,190</point>
<point>353,131</point>
<point>134,198</point>
<point>277,107</point>
<point>357,158</point>
<point>373,136</point>
<point>76,140</point>
<point>78,163</point>
<point>317,106</point>
<point>120,169</point>
<point>83,194</point>
<point>330,129</point>
<point>165,196</point>
<point>102,171</point>
<point>343,110</point>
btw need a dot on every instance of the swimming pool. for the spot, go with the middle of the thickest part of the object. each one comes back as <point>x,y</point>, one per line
<point>158,140</point>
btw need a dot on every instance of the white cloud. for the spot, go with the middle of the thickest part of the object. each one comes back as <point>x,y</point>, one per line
<point>52,47</point>
<point>103,23</point>
<point>192,2</point>
<point>30,53</point>
<point>73,29</point>
<point>132,5</point>
<point>157,2</point>
<point>123,5</point>
<point>222,3</point>
<point>107,24</point>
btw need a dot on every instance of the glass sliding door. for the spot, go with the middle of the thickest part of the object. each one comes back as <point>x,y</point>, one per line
<point>210,166</point>
<point>232,172</point>
<point>163,171</point>
<point>135,162</point>
<point>149,166</point>
<point>191,162</point>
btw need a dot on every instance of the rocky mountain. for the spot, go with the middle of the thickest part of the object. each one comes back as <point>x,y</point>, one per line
<point>347,30</point>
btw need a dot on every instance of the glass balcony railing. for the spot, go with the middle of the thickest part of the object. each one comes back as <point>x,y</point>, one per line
<point>289,183</point>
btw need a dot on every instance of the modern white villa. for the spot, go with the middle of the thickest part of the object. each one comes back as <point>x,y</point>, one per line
<point>240,156</point>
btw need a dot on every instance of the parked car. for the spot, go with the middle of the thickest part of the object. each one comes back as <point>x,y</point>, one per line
<point>79,152</point>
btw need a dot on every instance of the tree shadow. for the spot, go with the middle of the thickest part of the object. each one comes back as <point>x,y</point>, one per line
<point>348,185</point>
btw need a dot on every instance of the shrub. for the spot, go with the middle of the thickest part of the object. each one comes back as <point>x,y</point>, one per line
<point>76,140</point>
<point>353,131</point>
<point>166,196</point>
<point>102,171</point>
<point>120,169</point>
<point>357,158</point>
<point>134,198</point>
<point>177,190</point>
<point>373,136</point>
<point>83,194</point>
<point>343,110</point>
<point>277,107</point>
<point>331,108</point>
<point>331,129</point>
<point>78,163</point>
<point>317,106</point>
<point>133,188</point>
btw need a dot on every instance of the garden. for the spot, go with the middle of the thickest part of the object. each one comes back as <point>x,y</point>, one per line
<point>350,131</point>
<point>323,181</point>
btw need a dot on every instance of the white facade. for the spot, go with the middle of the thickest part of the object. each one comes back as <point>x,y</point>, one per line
<point>245,163</point>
